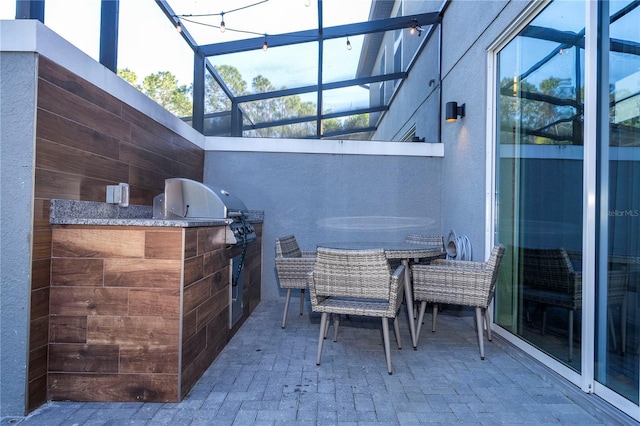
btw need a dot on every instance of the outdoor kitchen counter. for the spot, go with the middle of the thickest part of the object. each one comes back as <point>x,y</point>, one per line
<point>139,308</point>
<point>73,212</point>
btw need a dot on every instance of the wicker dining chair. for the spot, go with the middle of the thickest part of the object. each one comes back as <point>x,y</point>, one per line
<point>356,282</point>
<point>292,265</point>
<point>458,282</point>
<point>433,240</point>
<point>549,279</point>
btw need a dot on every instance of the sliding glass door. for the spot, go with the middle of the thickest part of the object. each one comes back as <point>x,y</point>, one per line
<point>617,332</point>
<point>539,182</point>
<point>567,181</point>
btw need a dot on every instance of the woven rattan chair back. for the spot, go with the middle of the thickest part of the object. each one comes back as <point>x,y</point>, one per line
<point>458,282</point>
<point>431,240</point>
<point>361,274</point>
<point>288,247</point>
<point>356,282</point>
<point>293,267</point>
<point>493,264</point>
<point>550,279</point>
<point>434,240</point>
<point>551,270</point>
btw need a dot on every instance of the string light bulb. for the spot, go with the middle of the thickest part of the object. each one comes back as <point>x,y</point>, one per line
<point>415,28</point>
<point>178,27</point>
<point>307,3</point>
<point>222,26</point>
<point>348,44</point>
<point>265,46</point>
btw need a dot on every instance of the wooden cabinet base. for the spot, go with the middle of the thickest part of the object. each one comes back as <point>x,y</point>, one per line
<point>139,313</point>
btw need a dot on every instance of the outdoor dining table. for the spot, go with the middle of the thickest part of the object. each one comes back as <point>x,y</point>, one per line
<point>402,251</point>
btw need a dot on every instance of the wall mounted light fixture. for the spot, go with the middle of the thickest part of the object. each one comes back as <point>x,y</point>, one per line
<point>453,111</point>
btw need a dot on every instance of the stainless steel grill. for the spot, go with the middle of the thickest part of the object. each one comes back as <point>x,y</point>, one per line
<point>189,199</point>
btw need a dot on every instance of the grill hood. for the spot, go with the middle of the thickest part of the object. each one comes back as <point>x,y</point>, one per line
<point>186,198</point>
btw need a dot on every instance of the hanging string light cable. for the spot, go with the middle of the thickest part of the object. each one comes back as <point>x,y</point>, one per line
<point>192,18</point>
<point>221,14</point>
<point>186,19</point>
<point>413,25</point>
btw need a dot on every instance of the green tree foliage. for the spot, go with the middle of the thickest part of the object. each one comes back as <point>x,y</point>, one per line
<point>548,113</point>
<point>129,76</point>
<point>215,99</point>
<point>164,89</point>
<point>269,110</point>
<point>356,121</point>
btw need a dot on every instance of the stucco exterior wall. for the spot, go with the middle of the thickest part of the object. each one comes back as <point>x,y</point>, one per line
<point>17,151</point>
<point>330,197</point>
<point>460,74</point>
<point>417,102</point>
<point>283,185</point>
<point>467,146</point>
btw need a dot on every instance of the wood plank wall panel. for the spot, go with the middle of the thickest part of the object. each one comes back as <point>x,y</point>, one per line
<point>99,129</point>
<point>115,314</point>
<point>87,139</point>
<point>205,301</point>
<point>205,328</point>
<point>107,387</point>
<point>60,158</point>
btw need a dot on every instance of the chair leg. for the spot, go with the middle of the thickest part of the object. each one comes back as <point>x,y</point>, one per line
<point>480,332</point>
<point>301,300</point>
<point>336,323</point>
<point>570,335</point>
<point>286,308</point>
<point>396,330</point>
<point>487,322</point>
<point>323,324</point>
<point>433,319</point>
<point>612,329</point>
<point>326,327</point>
<point>623,324</point>
<point>387,349</point>
<point>423,307</point>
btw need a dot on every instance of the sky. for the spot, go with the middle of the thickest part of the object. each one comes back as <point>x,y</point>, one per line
<point>138,53</point>
<point>150,44</point>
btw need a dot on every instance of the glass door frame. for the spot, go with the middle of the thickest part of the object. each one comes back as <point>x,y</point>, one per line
<point>528,14</point>
<point>597,148</point>
<point>595,190</point>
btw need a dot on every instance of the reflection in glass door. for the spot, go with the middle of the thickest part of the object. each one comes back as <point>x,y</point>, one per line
<point>540,170</point>
<point>539,182</point>
<point>617,333</point>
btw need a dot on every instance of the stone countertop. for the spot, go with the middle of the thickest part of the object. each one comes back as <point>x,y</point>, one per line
<point>74,212</point>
